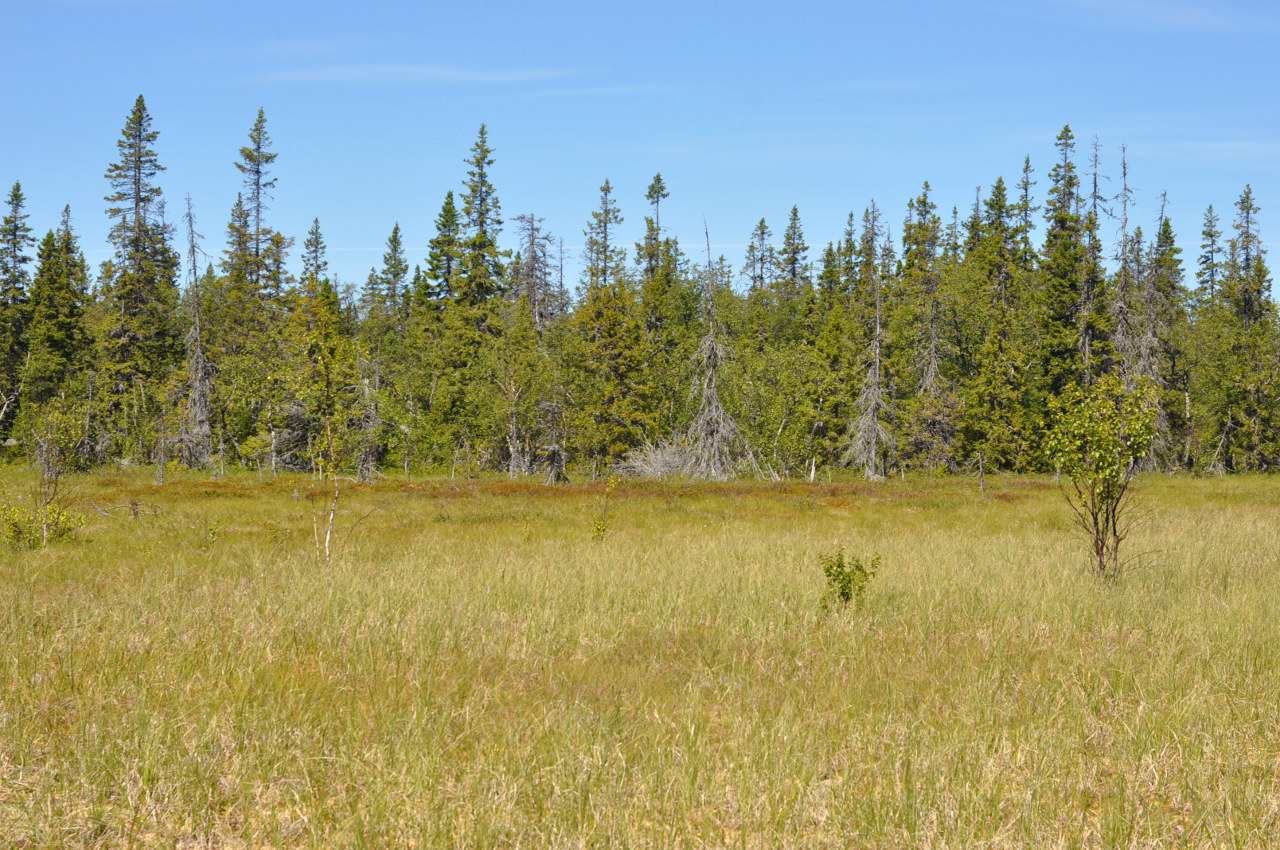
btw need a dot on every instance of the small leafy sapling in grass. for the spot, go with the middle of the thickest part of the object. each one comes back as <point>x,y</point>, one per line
<point>847,580</point>
<point>327,473</point>
<point>54,436</point>
<point>600,526</point>
<point>1097,440</point>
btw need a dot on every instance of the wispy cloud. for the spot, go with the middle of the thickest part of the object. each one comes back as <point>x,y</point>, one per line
<point>1167,14</point>
<point>588,91</point>
<point>1227,149</point>
<point>111,4</point>
<point>305,49</point>
<point>407,75</point>
<point>892,86</point>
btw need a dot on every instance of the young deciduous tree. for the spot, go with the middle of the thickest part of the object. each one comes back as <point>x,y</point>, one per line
<point>1098,438</point>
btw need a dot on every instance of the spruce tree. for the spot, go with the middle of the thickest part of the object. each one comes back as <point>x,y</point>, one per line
<point>1064,265</point>
<point>670,301</point>
<point>442,259</point>
<point>760,266</point>
<point>1000,243</point>
<point>793,297</point>
<point>142,337</point>
<point>480,266</point>
<point>614,414</point>
<point>395,271</point>
<point>1160,356</point>
<point>57,343</point>
<point>15,241</point>
<point>134,192</point>
<point>327,369</point>
<point>1024,210</point>
<point>1248,281</point>
<point>1207,268</point>
<point>249,312</point>
<point>930,416</point>
<point>255,163</point>
<point>1095,316</point>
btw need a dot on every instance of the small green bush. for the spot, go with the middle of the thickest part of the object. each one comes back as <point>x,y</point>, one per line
<point>600,525</point>
<point>847,580</point>
<point>23,527</point>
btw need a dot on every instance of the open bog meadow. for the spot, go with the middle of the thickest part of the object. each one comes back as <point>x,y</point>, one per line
<point>488,663</point>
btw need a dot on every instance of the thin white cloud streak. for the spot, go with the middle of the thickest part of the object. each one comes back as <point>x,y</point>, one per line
<point>1169,14</point>
<point>893,86</point>
<point>302,49</point>
<point>390,74</point>
<point>601,90</point>
<point>1219,149</point>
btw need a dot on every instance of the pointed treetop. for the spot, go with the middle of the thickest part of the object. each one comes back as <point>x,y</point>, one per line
<point>480,206</point>
<point>314,264</point>
<point>255,156</point>
<point>15,239</point>
<point>133,191</point>
<point>656,194</point>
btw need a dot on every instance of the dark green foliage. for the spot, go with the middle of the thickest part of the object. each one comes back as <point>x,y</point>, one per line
<point>15,241</point>
<point>255,164</point>
<point>442,261</point>
<point>141,342</point>
<point>611,350</point>
<point>1063,266</point>
<point>480,260</point>
<point>941,351</point>
<point>57,343</point>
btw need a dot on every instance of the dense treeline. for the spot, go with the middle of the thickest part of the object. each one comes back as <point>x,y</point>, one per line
<point>939,350</point>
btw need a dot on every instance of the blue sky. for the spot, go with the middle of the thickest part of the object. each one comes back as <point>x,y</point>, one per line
<point>745,108</point>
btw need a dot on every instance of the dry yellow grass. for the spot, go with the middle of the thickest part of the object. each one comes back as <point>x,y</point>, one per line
<point>473,669</point>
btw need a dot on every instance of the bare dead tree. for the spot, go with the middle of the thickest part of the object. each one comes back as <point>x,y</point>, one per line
<point>7,401</point>
<point>534,275</point>
<point>370,431</point>
<point>712,446</point>
<point>1122,306</point>
<point>197,434</point>
<point>716,446</point>
<point>1092,282</point>
<point>868,438</point>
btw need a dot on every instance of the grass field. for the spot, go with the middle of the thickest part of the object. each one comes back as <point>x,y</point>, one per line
<point>473,668</point>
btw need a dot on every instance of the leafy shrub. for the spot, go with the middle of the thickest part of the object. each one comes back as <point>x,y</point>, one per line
<point>25,527</point>
<point>847,580</point>
<point>600,526</point>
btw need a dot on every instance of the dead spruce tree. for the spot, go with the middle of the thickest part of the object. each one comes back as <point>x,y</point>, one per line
<point>196,438</point>
<point>712,446</point>
<point>715,445</point>
<point>868,439</point>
